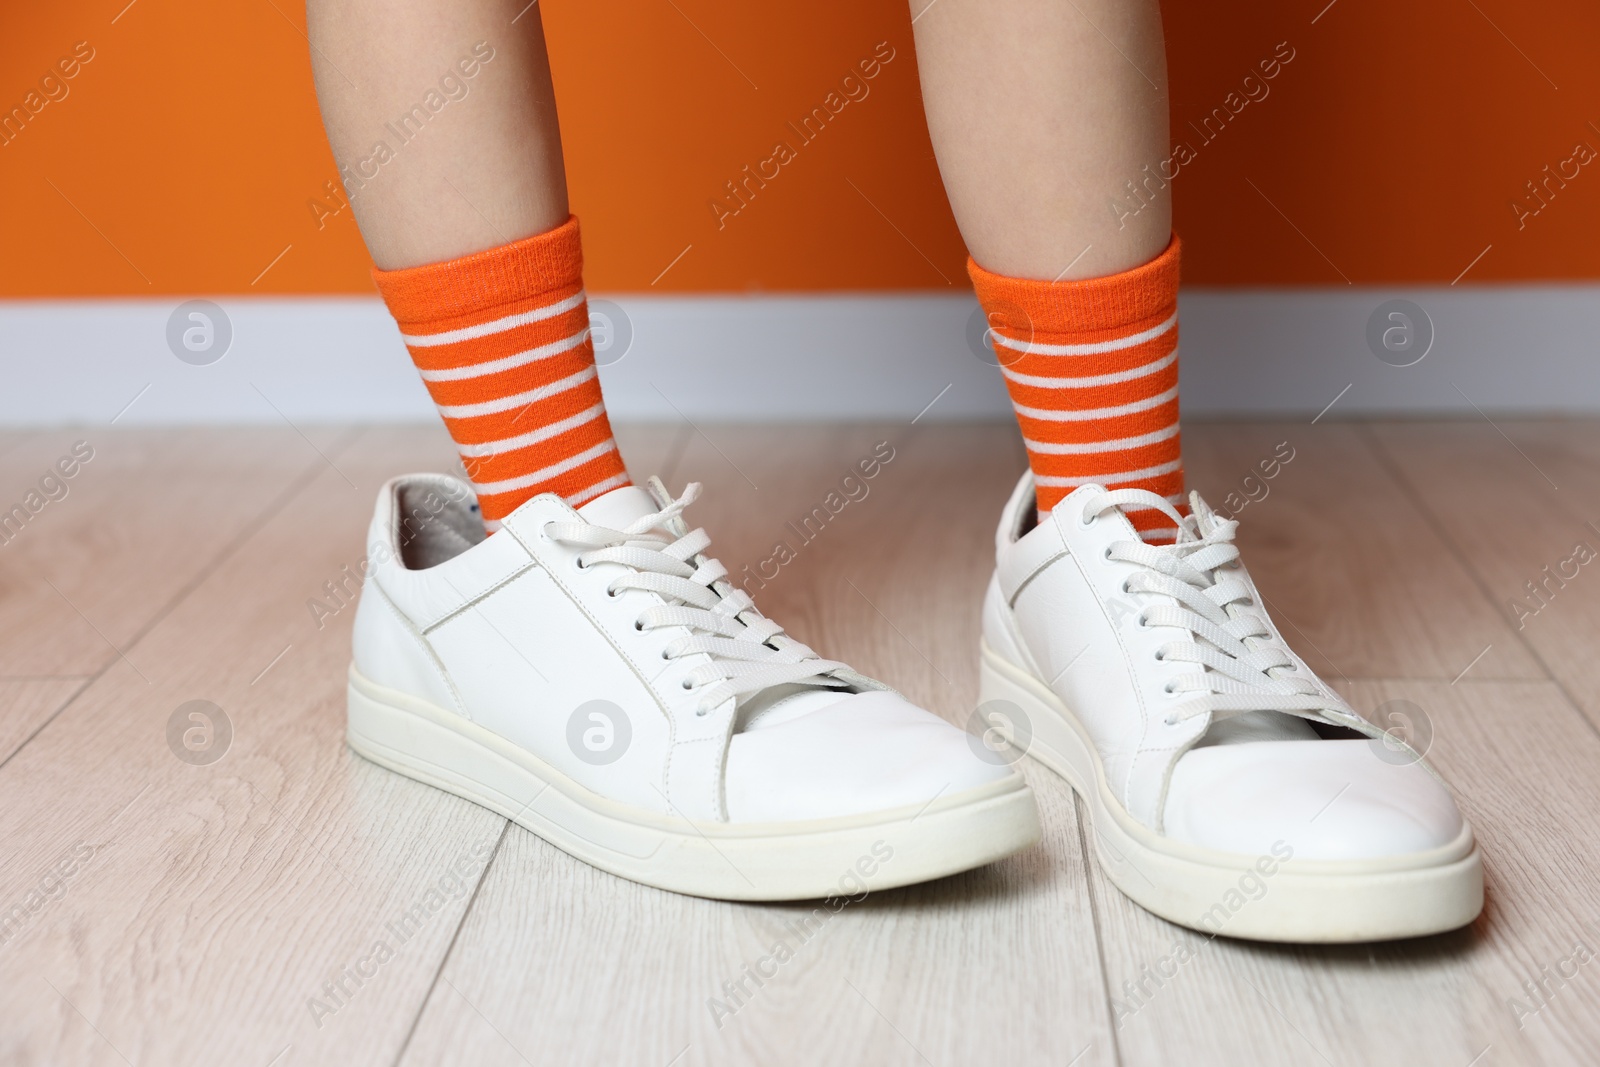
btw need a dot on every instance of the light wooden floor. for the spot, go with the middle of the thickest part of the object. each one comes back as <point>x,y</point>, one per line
<point>205,906</point>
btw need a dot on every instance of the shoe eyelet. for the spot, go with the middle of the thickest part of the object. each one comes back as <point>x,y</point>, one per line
<point>1162,655</point>
<point>688,684</point>
<point>1141,622</point>
<point>1169,721</point>
<point>700,713</point>
<point>1085,520</point>
<point>1126,591</point>
<point>664,654</point>
<point>637,625</point>
<point>577,561</point>
<point>1107,553</point>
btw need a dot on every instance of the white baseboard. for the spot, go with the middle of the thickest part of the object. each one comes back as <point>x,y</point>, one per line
<point>1249,352</point>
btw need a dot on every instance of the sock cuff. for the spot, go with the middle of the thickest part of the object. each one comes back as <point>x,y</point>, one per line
<point>482,281</point>
<point>1141,297</point>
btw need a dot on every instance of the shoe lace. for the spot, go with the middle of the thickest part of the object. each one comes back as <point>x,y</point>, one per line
<point>1245,667</point>
<point>747,652</point>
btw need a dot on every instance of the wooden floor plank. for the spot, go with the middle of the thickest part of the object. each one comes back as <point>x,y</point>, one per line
<point>988,964</point>
<point>1516,500</point>
<point>998,965</point>
<point>26,704</point>
<point>208,905</point>
<point>138,521</point>
<point>204,907</point>
<point>1359,582</point>
<point>1521,761</point>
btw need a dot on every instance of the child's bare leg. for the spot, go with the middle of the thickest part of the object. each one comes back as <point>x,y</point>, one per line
<point>1040,111</point>
<point>486,169</point>
<point>443,120</point>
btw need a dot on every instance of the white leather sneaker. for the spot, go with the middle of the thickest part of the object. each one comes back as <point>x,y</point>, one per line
<point>595,677</point>
<point>1232,791</point>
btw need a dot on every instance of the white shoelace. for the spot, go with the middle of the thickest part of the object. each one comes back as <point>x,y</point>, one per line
<point>748,651</point>
<point>1246,669</point>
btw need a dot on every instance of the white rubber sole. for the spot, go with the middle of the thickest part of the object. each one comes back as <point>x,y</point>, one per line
<point>812,860</point>
<point>1262,898</point>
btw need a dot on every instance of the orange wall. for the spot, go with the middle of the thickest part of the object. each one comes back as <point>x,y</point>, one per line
<point>183,157</point>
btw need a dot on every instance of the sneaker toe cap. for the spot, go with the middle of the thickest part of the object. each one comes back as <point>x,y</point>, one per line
<point>1328,800</point>
<point>863,753</point>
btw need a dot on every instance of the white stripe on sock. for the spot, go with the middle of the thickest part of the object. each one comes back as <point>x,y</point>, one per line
<point>597,489</point>
<point>1093,349</point>
<point>1175,498</point>
<point>495,366</point>
<point>1088,414</point>
<point>1094,379</point>
<point>506,403</point>
<point>1059,482</point>
<point>500,325</point>
<point>511,485</point>
<point>543,433</point>
<point>1045,448</point>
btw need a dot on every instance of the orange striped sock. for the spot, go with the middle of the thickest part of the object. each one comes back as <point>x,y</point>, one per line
<point>1092,368</point>
<point>502,340</point>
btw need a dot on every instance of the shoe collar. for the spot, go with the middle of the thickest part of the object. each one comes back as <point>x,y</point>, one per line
<point>424,519</point>
<point>619,508</point>
<point>1020,515</point>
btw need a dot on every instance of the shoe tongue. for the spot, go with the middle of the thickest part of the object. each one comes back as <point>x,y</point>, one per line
<point>620,508</point>
<point>1072,505</point>
<point>779,704</point>
<point>1206,519</point>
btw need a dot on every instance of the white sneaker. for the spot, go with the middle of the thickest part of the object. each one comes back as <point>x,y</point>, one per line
<point>595,677</point>
<point>1232,791</point>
